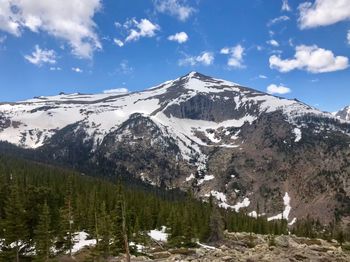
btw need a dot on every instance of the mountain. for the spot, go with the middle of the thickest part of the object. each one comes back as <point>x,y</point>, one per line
<point>344,113</point>
<point>248,149</point>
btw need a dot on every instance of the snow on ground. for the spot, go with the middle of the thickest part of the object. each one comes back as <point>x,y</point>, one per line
<point>205,246</point>
<point>218,195</point>
<point>221,197</point>
<point>210,87</point>
<point>297,133</point>
<point>139,247</point>
<point>253,214</point>
<point>159,235</point>
<point>190,177</point>
<point>205,178</point>
<point>286,211</point>
<point>239,205</point>
<point>81,240</point>
<point>1,244</point>
<point>293,221</point>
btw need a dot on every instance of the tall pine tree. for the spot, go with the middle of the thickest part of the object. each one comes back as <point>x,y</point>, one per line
<point>43,237</point>
<point>16,231</point>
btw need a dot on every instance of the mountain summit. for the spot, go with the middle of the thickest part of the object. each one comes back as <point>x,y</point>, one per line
<point>247,148</point>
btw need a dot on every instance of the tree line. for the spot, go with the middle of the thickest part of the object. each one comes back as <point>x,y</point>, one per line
<point>42,207</point>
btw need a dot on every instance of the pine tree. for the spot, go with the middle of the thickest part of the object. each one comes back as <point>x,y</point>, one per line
<point>216,226</point>
<point>120,237</point>
<point>15,225</point>
<point>118,231</point>
<point>43,237</point>
<point>67,220</point>
<point>105,231</point>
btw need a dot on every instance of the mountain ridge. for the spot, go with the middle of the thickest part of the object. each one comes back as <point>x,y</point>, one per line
<point>245,147</point>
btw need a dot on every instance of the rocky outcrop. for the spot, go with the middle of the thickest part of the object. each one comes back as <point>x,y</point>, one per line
<point>243,247</point>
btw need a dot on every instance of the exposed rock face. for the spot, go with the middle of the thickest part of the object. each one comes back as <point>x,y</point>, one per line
<point>246,148</point>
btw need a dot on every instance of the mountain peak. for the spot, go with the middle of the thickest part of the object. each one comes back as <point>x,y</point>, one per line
<point>194,74</point>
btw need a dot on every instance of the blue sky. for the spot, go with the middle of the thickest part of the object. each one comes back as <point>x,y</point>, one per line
<point>295,49</point>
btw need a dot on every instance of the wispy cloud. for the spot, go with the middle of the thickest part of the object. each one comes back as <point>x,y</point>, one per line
<point>118,42</point>
<point>139,29</point>
<point>205,58</point>
<point>273,42</point>
<point>77,70</point>
<point>176,8</point>
<point>236,54</point>
<point>285,6</point>
<point>278,20</point>
<point>41,56</point>
<point>124,68</point>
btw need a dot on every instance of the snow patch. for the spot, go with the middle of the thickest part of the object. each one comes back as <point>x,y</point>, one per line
<point>190,177</point>
<point>297,133</point>
<point>81,240</point>
<point>239,205</point>
<point>293,221</point>
<point>286,211</point>
<point>139,247</point>
<point>218,195</point>
<point>205,246</point>
<point>159,235</point>
<point>205,178</point>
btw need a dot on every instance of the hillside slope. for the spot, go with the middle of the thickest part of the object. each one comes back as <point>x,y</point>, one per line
<point>247,148</point>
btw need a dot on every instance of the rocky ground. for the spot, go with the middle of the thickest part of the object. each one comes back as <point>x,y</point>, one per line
<point>250,248</point>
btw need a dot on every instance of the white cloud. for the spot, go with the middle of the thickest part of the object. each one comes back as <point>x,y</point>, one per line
<point>118,42</point>
<point>70,21</point>
<point>286,6</point>
<point>262,76</point>
<point>181,37</point>
<point>77,69</point>
<point>275,89</point>
<point>310,58</point>
<point>235,55</point>
<point>278,20</point>
<point>41,56</point>
<point>205,58</point>
<point>323,12</point>
<point>348,37</point>
<point>176,8</point>
<point>121,90</point>
<point>143,28</point>
<point>273,42</point>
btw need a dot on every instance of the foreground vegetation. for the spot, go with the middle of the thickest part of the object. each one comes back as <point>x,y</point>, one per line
<point>41,207</point>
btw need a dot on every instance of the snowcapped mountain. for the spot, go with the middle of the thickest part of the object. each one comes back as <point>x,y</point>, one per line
<point>343,114</point>
<point>247,148</point>
<point>32,122</point>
